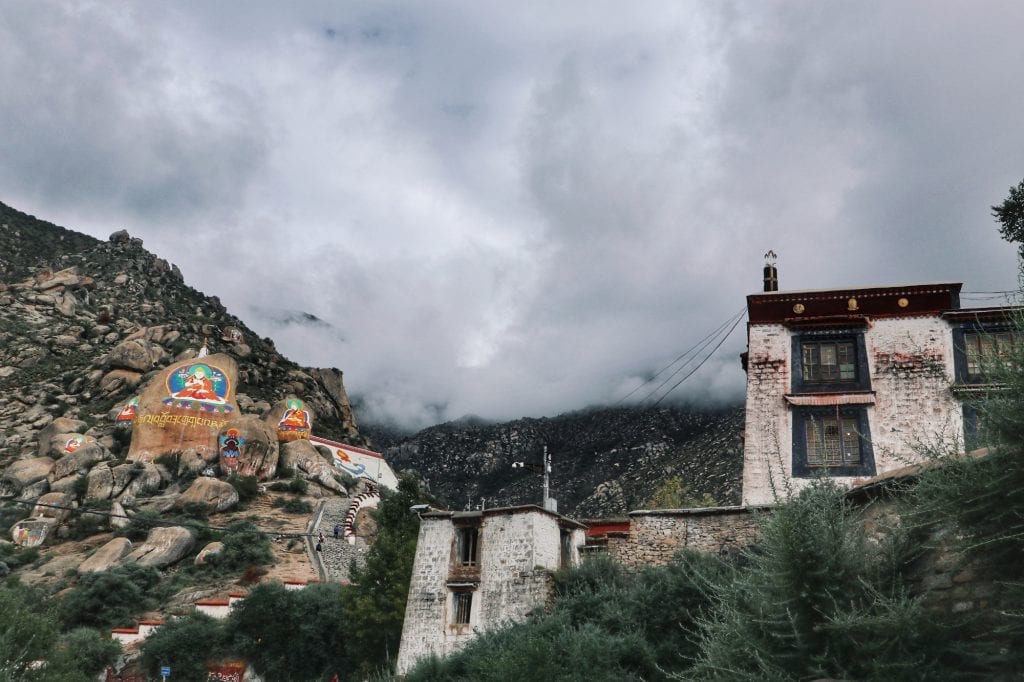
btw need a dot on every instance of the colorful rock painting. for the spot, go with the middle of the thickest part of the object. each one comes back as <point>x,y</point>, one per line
<point>127,414</point>
<point>345,463</point>
<point>230,448</point>
<point>295,420</point>
<point>28,536</point>
<point>198,387</point>
<point>74,443</point>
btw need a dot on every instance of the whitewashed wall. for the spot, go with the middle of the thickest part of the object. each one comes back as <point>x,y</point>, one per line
<point>910,361</point>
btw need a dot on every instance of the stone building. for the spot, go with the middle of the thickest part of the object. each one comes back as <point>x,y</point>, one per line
<point>851,382</point>
<point>476,570</point>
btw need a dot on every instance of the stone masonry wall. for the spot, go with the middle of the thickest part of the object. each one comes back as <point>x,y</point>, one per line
<point>426,610</point>
<point>517,552</point>
<point>655,536</point>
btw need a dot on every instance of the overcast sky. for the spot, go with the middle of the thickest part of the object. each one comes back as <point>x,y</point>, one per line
<point>520,208</point>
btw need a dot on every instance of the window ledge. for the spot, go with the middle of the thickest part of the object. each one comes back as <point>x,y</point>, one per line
<point>828,399</point>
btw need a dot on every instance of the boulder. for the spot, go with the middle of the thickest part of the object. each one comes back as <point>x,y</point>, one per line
<point>65,485</point>
<point>291,419</point>
<point>296,454</point>
<point>302,455</point>
<point>134,354</point>
<point>158,504</point>
<point>216,496</point>
<point>163,547</point>
<point>55,506</point>
<point>249,447</point>
<point>145,479</point>
<point>59,426</point>
<point>80,452</point>
<point>116,379</point>
<point>32,532</point>
<point>25,472</point>
<point>107,556</point>
<point>105,483</point>
<point>185,406</point>
<point>118,516</point>
<point>211,550</point>
<point>64,278</point>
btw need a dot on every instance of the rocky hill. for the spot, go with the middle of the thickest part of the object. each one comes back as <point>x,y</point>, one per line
<point>84,323</point>
<point>605,462</point>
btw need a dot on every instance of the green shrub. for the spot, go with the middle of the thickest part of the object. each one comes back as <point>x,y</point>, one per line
<point>185,644</point>
<point>818,600</point>
<point>247,487</point>
<point>109,598</point>
<point>16,557</point>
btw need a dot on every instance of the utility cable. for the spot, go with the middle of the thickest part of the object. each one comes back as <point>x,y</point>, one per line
<point>706,358</point>
<point>692,349</point>
<point>707,341</point>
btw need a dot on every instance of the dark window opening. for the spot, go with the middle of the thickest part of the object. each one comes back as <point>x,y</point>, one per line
<point>466,541</point>
<point>462,606</point>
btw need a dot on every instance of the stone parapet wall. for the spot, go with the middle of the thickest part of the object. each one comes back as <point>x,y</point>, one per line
<point>656,536</point>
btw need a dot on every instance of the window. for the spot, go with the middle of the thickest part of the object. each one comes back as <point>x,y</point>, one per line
<point>462,606</point>
<point>832,442</point>
<point>829,361</point>
<point>983,347</point>
<point>466,545</point>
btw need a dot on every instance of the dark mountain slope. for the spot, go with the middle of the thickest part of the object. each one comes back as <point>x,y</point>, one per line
<point>604,461</point>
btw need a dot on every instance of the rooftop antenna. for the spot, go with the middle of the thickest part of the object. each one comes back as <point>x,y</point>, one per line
<point>771,274</point>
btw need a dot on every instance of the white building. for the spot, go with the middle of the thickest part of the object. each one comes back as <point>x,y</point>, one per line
<point>850,382</point>
<point>359,462</point>
<point>476,570</point>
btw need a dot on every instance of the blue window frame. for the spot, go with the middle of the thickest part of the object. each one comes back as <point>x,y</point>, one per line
<point>829,361</point>
<point>833,442</point>
<point>975,344</point>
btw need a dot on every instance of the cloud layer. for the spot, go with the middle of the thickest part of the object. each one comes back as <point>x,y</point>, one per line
<point>523,209</point>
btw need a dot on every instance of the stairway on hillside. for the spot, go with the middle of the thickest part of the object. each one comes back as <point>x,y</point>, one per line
<point>337,554</point>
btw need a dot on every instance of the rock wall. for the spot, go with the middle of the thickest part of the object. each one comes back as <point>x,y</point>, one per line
<point>655,536</point>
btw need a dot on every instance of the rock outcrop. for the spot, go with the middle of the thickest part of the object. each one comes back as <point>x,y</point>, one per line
<point>107,556</point>
<point>163,547</point>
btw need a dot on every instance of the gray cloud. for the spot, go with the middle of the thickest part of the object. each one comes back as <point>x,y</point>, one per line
<point>525,209</point>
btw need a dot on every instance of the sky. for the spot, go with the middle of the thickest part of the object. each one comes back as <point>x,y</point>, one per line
<point>521,208</point>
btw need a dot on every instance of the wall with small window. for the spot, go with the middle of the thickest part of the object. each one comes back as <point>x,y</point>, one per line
<point>844,401</point>
<point>477,570</point>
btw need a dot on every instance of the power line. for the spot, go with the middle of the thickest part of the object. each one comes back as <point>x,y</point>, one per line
<point>708,356</point>
<point>695,348</point>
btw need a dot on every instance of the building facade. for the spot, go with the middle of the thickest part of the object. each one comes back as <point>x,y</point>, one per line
<point>476,570</point>
<point>852,383</point>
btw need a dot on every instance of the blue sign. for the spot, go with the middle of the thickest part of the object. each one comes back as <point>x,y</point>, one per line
<point>165,671</point>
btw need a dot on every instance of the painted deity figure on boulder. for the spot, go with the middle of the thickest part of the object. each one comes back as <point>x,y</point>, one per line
<point>184,409</point>
<point>295,423</point>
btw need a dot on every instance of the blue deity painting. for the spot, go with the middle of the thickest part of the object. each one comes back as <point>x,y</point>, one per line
<point>198,386</point>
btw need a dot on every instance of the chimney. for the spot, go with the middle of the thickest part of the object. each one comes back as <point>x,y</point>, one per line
<point>771,275</point>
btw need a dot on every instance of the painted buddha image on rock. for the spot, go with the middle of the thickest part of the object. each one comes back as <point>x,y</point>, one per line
<point>295,423</point>
<point>127,414</point>
<point>198,386</point>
